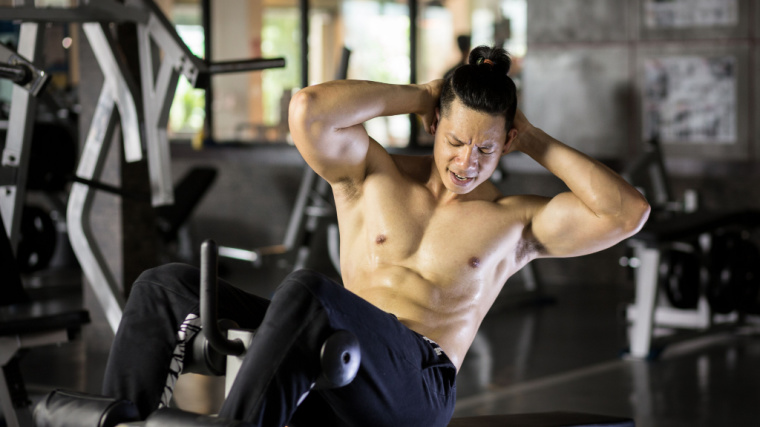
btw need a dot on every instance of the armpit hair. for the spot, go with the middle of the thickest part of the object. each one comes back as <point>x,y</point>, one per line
<point>528,244</point>
<point>348,187</point>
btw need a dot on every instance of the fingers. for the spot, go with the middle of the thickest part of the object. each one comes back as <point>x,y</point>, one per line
<point>430,125</point>
<point>429,113</point>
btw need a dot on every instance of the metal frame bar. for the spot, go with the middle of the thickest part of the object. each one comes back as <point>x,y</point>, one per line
<point>90,11</point>
<point>19,136</point>
<point>303,7</point>
<point>13,397</point>
<point>158,26</point>
<point>647,313</point>
<point>296,224</point>
<point>34,79</point>
<point>158,92</point>
<point>413,48</point>
<point>117,92</point>
<point>640,331</point>
<point>208,49</point>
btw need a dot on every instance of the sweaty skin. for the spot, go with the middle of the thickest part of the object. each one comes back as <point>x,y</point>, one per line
<point>429,238</point>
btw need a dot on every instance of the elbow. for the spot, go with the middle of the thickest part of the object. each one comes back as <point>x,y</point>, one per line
<point>636,215</point>
<point>300,109</point>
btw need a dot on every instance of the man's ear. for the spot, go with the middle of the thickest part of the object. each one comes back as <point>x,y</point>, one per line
<point>511,137</point>
<point>437,119</point>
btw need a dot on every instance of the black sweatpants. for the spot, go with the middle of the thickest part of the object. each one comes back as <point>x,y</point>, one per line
<point>404,379</point>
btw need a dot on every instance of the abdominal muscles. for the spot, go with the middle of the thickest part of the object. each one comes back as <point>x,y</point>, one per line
<point>448,313</point>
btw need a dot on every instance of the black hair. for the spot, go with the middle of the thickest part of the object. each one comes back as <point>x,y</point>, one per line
<point>482,84</point>
<point>463,43</point>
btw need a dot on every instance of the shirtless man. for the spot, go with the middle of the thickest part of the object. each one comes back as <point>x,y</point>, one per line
<point>430,247</point>
<point>426,245</point>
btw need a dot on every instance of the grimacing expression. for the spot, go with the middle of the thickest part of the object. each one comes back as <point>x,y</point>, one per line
<point>468,146</point>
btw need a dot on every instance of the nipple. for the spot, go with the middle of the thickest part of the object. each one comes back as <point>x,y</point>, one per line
<point>474,262</point>
<point>380,239</point>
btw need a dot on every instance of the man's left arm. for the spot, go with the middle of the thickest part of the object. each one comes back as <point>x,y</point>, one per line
<point>600,210</point>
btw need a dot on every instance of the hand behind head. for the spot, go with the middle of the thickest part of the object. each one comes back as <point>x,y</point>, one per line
<point>429,114</point>
<point>520,127</point>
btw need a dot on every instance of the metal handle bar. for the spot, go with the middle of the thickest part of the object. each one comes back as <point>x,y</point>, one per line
<point>209,303</point>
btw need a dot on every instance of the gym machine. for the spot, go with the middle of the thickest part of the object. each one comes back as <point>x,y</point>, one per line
<point>694,270</point>
<point>312,212</point>
<point>212,354</point>
<point>27,324</point>
<point>159,72</point>
<point>209,352</point>
<point>24,323</point>
<point>21,71</point>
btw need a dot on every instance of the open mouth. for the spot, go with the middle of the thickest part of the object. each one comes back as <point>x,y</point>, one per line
<point>459,179</point>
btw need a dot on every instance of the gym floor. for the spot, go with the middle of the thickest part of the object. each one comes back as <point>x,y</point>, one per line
<point>561,354</point>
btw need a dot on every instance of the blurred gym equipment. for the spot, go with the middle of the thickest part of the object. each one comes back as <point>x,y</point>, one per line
<point>695,270</point>
<point>26,323</point>
<point>158,74</point>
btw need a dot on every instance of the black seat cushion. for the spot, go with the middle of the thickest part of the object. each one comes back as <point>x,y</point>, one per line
<point>66,408</point>
<point>544,419</point>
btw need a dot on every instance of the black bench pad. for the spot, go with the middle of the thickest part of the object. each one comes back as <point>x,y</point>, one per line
<point>544,419</point>
<point>42,316</point>
<point>687,226</point>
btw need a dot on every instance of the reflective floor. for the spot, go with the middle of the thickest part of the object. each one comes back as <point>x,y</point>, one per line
<point>563,355</point>
<point>566,356</point>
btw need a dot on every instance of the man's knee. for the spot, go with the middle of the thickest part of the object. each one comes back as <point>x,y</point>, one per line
<point>175,278</point>
<point>308,282</point>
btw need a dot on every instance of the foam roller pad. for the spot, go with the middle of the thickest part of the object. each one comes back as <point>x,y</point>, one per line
<point>168,417</point>
<point>61,408</point>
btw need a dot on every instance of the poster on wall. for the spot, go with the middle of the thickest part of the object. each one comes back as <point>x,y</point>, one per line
<point>690,13</point>
<point>690,99</point>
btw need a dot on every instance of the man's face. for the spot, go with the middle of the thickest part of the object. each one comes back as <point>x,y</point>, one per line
<point>468,146</point>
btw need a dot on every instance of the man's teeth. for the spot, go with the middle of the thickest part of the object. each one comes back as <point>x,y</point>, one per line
<point>461,178</point>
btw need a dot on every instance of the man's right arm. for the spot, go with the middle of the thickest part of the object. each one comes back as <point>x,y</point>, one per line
<point>326,123</point>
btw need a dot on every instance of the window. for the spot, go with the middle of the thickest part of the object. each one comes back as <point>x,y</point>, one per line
<point>252,107</point>
<point>188,110</point>
<point>377,33</point>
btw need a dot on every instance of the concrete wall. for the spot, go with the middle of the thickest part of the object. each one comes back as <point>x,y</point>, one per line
<point>583,83</point>
<point>584,73</point>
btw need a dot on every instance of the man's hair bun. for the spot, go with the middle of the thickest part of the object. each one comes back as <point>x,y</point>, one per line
<point>482,84</point>
<point>496,58</point>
